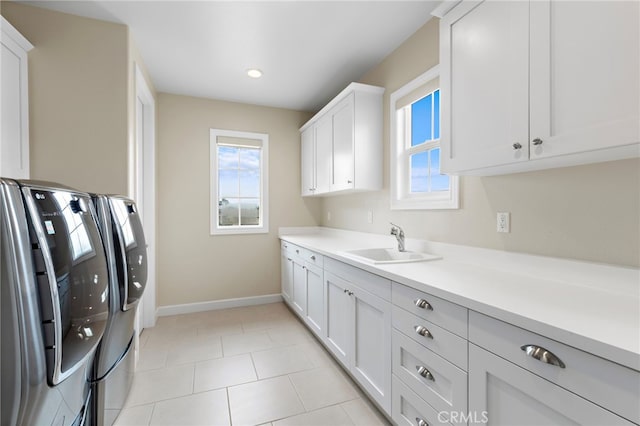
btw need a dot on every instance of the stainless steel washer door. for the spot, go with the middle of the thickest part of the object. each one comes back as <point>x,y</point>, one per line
<point>72,276</point>
<point>131,249</point>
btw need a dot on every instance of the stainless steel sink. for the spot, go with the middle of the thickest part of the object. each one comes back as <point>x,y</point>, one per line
<point>389,255</point>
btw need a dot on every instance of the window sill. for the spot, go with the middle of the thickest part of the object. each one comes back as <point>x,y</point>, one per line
<point>245,230</point>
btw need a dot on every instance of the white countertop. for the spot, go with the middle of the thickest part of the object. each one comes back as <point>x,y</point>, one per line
<point>593,307</point>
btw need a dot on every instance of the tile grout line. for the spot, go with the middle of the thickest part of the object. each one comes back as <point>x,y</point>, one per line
<point>297,393</point>
<point>253,363</point>
<point>229,406</point>
<point>153,409</point>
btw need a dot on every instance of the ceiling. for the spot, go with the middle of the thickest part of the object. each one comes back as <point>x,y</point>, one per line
<point>308,50</point>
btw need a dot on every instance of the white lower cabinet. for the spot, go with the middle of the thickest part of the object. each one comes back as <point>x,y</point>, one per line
<point>358,333</point>
<point>515,374</point>
<point>438,382</point>
<point>303,285</point>
<point>413,358</point>
<point>338,307</point>
<point>507,394</point>
<point>286,275</point>
<point>314,316</point>
<point>411,410</point>
<point>299,286</point>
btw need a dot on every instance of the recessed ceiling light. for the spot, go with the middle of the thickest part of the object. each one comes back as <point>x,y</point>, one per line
<point>254,73</point>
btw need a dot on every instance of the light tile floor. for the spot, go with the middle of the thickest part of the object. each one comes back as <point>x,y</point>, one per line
<point>243,366</point>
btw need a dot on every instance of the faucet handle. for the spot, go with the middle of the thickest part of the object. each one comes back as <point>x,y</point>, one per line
<point>398,227</point>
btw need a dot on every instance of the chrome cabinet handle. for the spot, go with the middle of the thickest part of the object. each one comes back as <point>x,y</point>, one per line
<point>517,145</point>
<point>543,355</point>
<point>421,422</point>
<point>297,251</point>
<point>424,372</point>
<point>350,293</point>
<point>349,181</point>
<point>285,246</point>
<point>421,303</point>
<point>289,259</point>
<point>423,331</point>
<point>313,258</point>
<point>346,291</point>
<point>537,141</point>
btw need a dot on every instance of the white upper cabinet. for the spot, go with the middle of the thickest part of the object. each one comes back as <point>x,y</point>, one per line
<point>14,108</point>
<point>308,164</point>
<point>342,175</point>
<point>540,84</point>
<point>346,152</point>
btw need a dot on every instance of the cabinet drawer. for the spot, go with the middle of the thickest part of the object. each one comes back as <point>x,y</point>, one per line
<point>288,247</point>
<point>446,344</point>
<point>447,315</point>
<point>312,258</point>
<point>441,384</point>
<point>375,284</point>
<point>408,409</point>
<point>603,382</point>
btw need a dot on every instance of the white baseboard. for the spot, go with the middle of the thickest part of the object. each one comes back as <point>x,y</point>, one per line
<point>189,308</point>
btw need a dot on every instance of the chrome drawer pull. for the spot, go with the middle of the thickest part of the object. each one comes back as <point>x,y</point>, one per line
<point>421,303</point>
<point>313,258</point>
<point>421,422</point>
<point>423,331</point>
<point>424,372</point>
<point>543,355</point>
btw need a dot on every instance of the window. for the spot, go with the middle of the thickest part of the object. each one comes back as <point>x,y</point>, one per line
<point>416,181</point>
<point>239,182</point>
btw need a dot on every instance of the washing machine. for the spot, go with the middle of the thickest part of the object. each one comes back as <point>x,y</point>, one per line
<point>124,242</point>
<point>54,302</point>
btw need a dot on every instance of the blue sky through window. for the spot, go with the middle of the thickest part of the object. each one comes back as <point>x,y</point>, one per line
<point>238,185</point>
<point>425,165</point>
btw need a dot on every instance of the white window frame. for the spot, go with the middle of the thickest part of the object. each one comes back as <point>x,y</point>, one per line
<point>400,150</point>
<point>263,227</point>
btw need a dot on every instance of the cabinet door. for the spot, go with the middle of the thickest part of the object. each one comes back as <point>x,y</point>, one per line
<point>371,353</point>
<point>338,317</point>
<point>308,161</point>
<point>315,299</point>
<point>506,394</point>
<point>585,63</point>
<point>299,296</point>
<point>343,153</point>
<point>286,276</point>
<point>485,80</point>
<point>14,140</point>
<point>324,152</point>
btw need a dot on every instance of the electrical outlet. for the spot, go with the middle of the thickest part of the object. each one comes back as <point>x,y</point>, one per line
<point>369,216</point>
<point>503,222</point>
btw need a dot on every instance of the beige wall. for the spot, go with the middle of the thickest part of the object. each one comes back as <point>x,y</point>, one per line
<point>587,212</point>
<point>78,73</point>
<point>194,266</point>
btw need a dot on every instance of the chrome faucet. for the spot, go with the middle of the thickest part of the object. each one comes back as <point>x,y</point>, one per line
<point>399,234</point>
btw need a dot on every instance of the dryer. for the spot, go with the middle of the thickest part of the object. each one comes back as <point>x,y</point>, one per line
<point>124,242</point>
<point>54,302</point>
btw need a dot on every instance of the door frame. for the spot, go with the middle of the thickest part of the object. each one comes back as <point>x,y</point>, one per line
<point>144,189</point>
